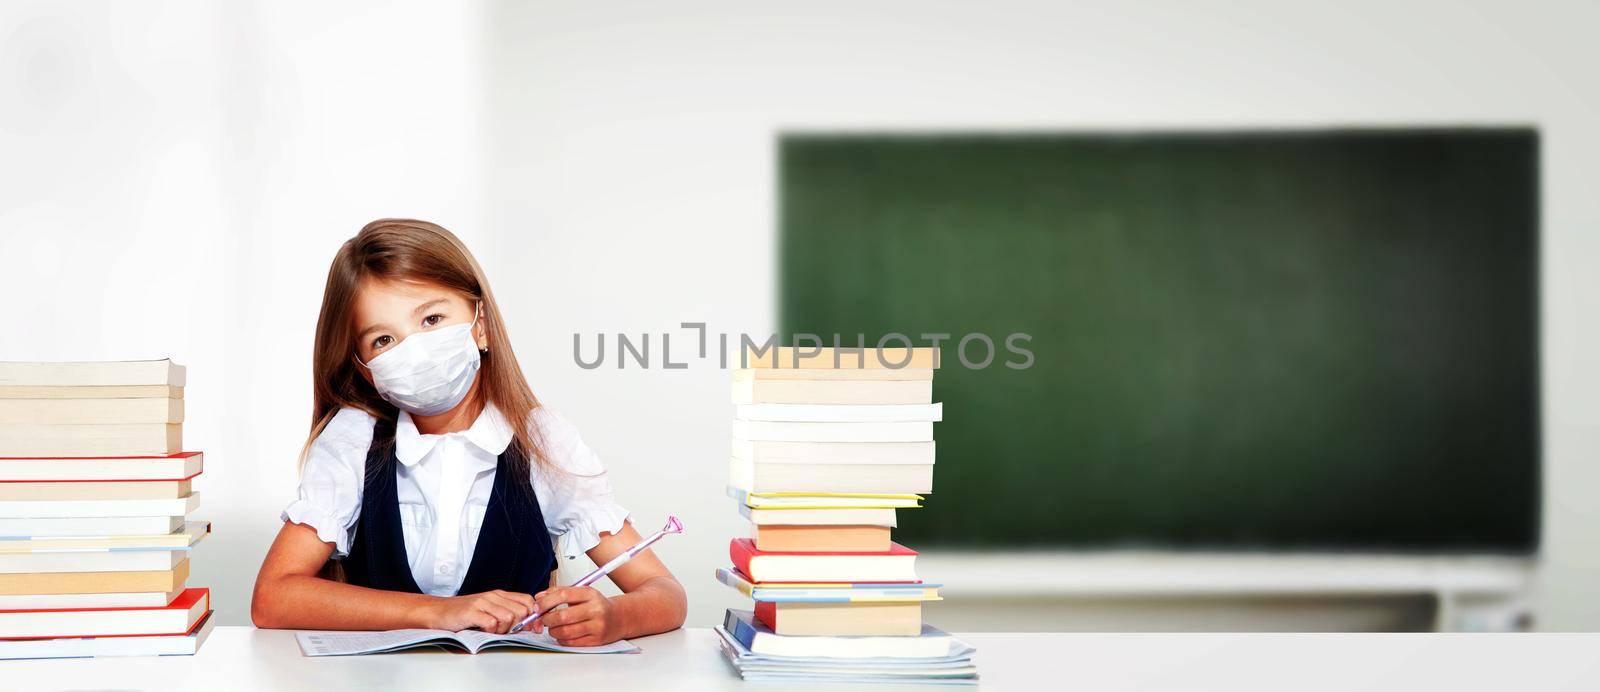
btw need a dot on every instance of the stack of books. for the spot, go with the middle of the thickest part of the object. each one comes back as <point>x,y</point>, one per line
<point>94,492</point>
<point>827,446</point>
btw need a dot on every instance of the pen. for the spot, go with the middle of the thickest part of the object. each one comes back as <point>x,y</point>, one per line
<point>673,526</point>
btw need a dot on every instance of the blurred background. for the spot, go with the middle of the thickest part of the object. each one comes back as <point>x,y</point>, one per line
<point>1311,287</point>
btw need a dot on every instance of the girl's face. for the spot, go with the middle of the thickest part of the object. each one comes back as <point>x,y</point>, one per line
<point>386,312</point>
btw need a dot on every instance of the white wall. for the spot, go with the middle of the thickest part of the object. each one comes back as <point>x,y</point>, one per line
<point>176,177</point>
<point>613,168</point>
<point>634,160</point>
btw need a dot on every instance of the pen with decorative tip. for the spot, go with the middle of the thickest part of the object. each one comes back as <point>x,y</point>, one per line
<point>673,526</point>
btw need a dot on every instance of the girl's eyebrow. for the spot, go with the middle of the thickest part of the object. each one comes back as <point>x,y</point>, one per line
<point>427,305</point>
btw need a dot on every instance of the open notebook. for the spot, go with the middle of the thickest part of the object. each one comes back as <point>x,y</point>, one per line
<point>472,641</point>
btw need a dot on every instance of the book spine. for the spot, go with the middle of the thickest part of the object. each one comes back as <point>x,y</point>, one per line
<point>742,586</point>
<point>767,614</point>
<point>741,551</point>
<point>741,630</point>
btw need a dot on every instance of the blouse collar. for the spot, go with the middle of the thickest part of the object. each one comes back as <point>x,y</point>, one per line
<point>489,432</point>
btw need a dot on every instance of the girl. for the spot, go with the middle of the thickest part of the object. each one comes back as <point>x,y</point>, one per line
<point>433,478</point>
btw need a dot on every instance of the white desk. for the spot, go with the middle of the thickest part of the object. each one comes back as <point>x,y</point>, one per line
<point>242,658</point>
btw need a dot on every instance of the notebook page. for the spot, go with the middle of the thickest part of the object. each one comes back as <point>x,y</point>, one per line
<point>315,643</point>
<point>544,642</point>
<point>348,643</point>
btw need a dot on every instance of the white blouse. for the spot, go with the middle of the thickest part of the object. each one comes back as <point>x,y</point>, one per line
<point>444,483</point>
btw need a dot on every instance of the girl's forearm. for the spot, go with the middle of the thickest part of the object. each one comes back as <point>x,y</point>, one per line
<point>308,602</point>
<point>658,605</point>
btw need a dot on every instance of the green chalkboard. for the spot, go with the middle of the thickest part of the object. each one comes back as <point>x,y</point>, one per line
<point>1275,340</point>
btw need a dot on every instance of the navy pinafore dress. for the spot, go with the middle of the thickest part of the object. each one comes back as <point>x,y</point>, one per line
<point>513,553</point>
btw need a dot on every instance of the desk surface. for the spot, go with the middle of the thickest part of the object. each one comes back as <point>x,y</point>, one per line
<point>242,658</point>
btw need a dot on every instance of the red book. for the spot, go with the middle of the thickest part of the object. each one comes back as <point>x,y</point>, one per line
<point>863,619</point>
<point>767,614</point>
<point>897,564</point>
<point>176,618</point>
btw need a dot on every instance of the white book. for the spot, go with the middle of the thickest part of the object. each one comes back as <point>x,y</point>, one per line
<point>316,643</point>
<point>785,452</point>
<point>825,500</point>
<point>108,561</point>
<point>838,594</point>
<point>140,599</point>
<point>150,468</point>
<point>91,411</point>
<point>151,391</point>
<point>184,538</point>
<point>755,637</point>
<point>753,391</point>
<point>809,516</point>
<point>46,527</point>
<point>846,674</point>
<point>111,647</point>
<point>41,509</point>
<point>95,373</point>
<point>955,668</point>
<point>828,413</point>
<point>900,564</point>
<point>830,478</point>
<point>825,374</point>
<point>833,432</point>
<point>29,491</point>
<point>90,440</point>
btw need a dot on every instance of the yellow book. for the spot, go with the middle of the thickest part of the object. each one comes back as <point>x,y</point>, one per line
<point>95,582</point>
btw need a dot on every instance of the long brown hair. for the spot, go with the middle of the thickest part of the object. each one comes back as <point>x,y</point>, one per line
<point>419,251</point>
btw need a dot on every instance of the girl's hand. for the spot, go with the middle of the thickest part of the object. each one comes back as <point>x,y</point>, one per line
<point>491,611</point>
<point>588,620</point>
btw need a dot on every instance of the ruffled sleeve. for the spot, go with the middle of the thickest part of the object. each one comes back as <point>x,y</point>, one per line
<point>575,496</point>
<point>331,480</point>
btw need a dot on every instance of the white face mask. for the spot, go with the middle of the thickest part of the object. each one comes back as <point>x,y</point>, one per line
<point>429,372</point>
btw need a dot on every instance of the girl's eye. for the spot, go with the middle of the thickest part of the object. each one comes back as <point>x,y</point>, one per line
<point>382,341</point>
<point>431,320</point>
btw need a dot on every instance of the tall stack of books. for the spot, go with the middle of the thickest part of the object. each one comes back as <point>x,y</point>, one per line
<point>827,446</point>
<point>94,491</point>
